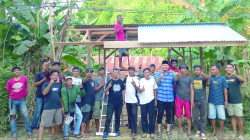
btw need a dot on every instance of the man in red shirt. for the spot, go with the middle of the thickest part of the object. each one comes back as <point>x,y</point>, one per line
<point>120,37</point>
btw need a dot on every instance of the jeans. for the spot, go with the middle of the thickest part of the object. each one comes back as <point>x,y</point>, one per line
<point>200,109</point>
<point>38,113</point>
<point>132,110</point>
<point>148,109</point>
<point>168,106</point>
<point>78,122</point>
<point>110,110</point>
<point>72,115</point>
<point>20,105</point>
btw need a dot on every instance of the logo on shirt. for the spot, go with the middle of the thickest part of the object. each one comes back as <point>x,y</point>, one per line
<point>215,82</point>
<point>17,87</point>
<point>198,84</point>
<point>54,89</point>
<point>230,80</point>
<point>92,84</point>
<point>116,87</point>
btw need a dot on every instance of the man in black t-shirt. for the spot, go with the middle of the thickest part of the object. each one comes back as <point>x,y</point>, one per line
<point>39,80</point>
<point>200,102</point>
<point>116,99</point>
<point>234,109</point>
<point>87,102</point>
<point>53,106</point>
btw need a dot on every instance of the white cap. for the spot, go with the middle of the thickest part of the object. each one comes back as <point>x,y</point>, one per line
<point>68,77</point>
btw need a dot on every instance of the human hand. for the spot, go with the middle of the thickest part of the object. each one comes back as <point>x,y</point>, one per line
<point>162,74</point>
<point>80,85</point>
<point>140,65</point>
<point>62,110</point>
<point>66,117</point>
<point>202,74</point>
<point>103,83</point>
<point>226,104</point>
<point>155,103</point>
<point>65,70</point>
<point>121,25</point>
<point>192,105</point>
<point>133,82</point>
<point>110,84</point>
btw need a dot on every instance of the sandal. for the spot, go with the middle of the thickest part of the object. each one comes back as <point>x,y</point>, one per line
<point>159,134</point>
<point>203,136</point>
<point>180,134</point>
<point>169,134</point>
<point>66,138</point>
<point>14,137</point>
<point>142,136</point>
<point>221,138</point>
<point>30,135</point>
<point>77,136</point>
<point>134,136</point>
<point>190,136</point>
<point>232,137</point>
<point>241,137</point>
<point>84,135</point>
<point>35,131</point>
<point>152,137</point>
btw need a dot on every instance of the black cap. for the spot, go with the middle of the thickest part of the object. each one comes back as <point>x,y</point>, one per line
<point>55,63</point>
<point>164,62</point>
<point>89,69</point>
<point>101,67</point>
<point>152,65</point>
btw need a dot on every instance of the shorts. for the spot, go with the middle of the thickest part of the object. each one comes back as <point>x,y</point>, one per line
<point>212,108</point>
<point>235,110</point>
<point>122,50</point>
<point>49,116</point>
<point>96,109</point>
<point>87,112</point>
<point>179,103</point>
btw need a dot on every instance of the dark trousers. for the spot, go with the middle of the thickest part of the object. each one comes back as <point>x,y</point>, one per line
<point>72,115</point>
<point>149,109</point>
<point>200,109</point>
<point>168,106</point>
<point>132,109</point>
<point>110,110</point>
<point>173,110</point>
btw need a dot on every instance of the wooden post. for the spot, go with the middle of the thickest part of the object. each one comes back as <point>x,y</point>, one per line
<point>191,60</point>
<point>99,55</point>
<point>104,59</point>
<point>128,58</point>
<point>51,32</point>
<point>89,54</point>
<point>201,58</point>
<point>183,55</point>
<point>114,58</point>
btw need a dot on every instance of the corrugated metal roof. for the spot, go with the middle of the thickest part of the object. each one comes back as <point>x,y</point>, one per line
<point>187,32</point>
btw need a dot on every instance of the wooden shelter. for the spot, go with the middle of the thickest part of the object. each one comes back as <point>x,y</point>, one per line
<point>156,36</point>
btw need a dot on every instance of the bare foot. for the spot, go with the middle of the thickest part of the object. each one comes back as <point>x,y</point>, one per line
<point>213,134</point>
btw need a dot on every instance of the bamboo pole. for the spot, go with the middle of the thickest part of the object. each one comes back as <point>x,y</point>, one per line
<point>201,58</point>
<point>51,32</point>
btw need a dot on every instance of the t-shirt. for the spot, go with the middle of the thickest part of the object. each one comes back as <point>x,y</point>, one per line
<point>131,93</point>
<point>18,89</point>
<point>52,99</point>
<point>234,94</point>
<point>98,81</point>
<point>199,89</point>
<point>115,91</point>
<point>77,81</point>
<point>89,88</point>
<point>120,34</point>
<point>183,91</point>
<point>48,77</point>
<point>216,90</point>
<point>142,75</point>
<point>39,76</point>
<point>175,71</point>
<point>149,86</point>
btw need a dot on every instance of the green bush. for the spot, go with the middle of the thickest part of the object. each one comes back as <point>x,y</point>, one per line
<point>5,75</point>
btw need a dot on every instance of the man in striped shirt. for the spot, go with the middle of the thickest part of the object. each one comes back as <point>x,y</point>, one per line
<point>165,97</point>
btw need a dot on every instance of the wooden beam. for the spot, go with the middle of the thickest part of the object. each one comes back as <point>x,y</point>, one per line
<point>86,35</point>
<point>201,58</point>
<point>135,44</point>
<point>110,53</point>
<point>89,52</point>
<point>183,54</point>
<point>78,43</point>
<point>177,52</point>
<point>104,59</point>
<point>99,55</point>
<point>85,29</point>
<point>190,51</point>
<point>101,33</point>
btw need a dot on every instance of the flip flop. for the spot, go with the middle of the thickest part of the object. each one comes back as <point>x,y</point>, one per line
<point>169,134</point>
<point>77,136</point>
<point>232,137</point>
<point>14,137</point>
<point>30,135</point>
<point>142,136</point>
<point>35,131</point>
<point>64,138</point>
<point>84,135</point>
<point>152,137</point>
<point>159,134</point>
<point>221,138</point>
<point>240,138</point>
<point>180,134</point>
<point>190,136</point>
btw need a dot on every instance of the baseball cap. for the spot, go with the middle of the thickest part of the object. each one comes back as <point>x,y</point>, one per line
<point>152,65</point>
<point>183,65</point>
<point>101,67</point>
<point>89,69</point>
<point>68,77</point>
<point>131,67</point>
<point>55,63</point>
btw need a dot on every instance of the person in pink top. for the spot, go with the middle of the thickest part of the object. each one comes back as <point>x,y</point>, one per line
<point>120,37</point>
<point>17,87</point>
<point>173,68</point>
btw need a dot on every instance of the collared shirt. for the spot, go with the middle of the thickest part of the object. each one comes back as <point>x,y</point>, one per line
<point>131,93</point>
<point>165,87</point>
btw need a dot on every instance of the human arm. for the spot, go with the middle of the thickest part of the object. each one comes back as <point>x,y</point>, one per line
<point>100,86</point>
<point>176,78</point>
<point>62,104</point>
<point>64,100</point>
<point>135,83</point>
<point>208,81</point>
<point>242,80</point>
<point>192,95</point>
<point>123,96</point>
<point>226,97</point>
<point>169,52</point>
<point>118,28</point>
<point>46,70</point>
<point>139,71</point>
<point>155,94</point>
<point>107,88</point>
<point>46,90</point>
<point>64,73</point>
<point>158,80</point>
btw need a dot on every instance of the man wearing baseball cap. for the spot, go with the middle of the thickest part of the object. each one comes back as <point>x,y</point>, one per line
<point>69,94</point>
<point>88,101</point>
<point>99,91</point>
<point>184,97</point>
<point>152,71</point>
<point>131,99</point>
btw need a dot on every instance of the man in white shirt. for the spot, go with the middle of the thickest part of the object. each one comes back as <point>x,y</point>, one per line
<point>132,100</point>
<point>148,101</point>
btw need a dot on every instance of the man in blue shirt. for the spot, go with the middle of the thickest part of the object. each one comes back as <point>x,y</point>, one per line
<point>165,97</point>
<point>218,99</point>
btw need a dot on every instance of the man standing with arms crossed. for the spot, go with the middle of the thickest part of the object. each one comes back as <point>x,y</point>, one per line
<point>235,108</point>
<point>132,100</point>
<point>120,37</point>
<point>217,100</point>
<point>116,98</point>
<point>165,97</point>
